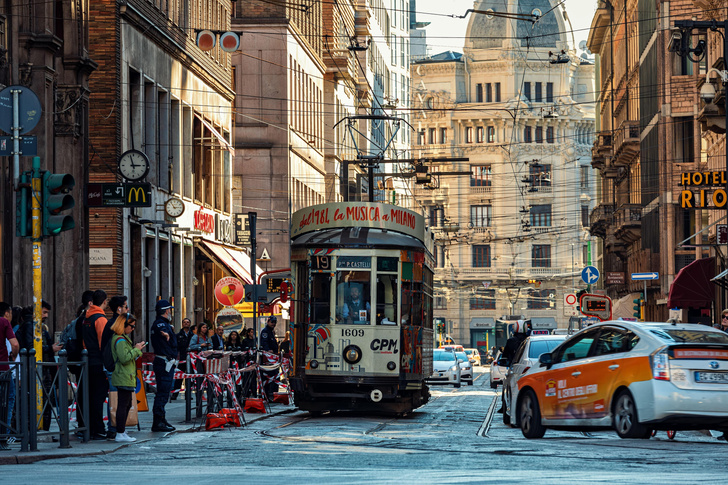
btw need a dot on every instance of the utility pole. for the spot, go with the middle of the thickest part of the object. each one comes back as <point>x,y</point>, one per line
<point>36,224</point>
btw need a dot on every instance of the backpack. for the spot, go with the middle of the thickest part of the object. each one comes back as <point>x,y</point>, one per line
<point>108,356</point>
<point>70,340</point>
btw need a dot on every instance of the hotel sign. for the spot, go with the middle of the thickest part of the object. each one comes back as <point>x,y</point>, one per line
<point>703,190</point>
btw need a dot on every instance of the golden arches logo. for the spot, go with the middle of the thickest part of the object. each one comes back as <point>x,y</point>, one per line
<point>136,191</point>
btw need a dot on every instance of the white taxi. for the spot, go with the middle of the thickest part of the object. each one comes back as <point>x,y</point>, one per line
<point>633,377</point>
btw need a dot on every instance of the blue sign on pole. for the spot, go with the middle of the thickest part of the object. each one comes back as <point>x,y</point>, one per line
<point>590,275</point>
<point>645,276</point>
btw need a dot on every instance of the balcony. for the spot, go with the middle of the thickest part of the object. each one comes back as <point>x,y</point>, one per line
<point>612,244</point>
<point>602,149</point>
<point>430,196</point>
<point>484,190</point>
<point>600,219</point>
<point>626,142</point>
<point>628,222</point>
<point>509,272</point>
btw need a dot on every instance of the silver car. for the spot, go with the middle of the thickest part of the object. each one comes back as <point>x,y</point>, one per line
<point>498,370</point>
<point>525,358</point>
<point>466,367</point>
<point>445,367</point>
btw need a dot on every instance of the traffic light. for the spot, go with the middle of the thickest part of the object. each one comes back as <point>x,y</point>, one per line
<point>638,303</point>
<point>536,283</point>
<point>441,327</point>
<point>56,199</point>
<point>578,299</point>
<point>24,207</point>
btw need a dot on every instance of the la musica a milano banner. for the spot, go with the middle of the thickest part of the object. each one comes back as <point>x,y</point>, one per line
<point>703,190</point>
<point>358,214</point>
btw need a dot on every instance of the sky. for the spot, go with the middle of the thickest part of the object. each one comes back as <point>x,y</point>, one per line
<point>445,33</point>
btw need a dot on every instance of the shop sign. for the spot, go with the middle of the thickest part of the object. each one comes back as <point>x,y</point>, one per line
<point>722,233</point>
<point>229,291</point>
<point>358,214</point>
<point>242,230</point>
<point>614,278</point>
<point>204,222</point>
<point>224,230</point>
<point>703,190</point>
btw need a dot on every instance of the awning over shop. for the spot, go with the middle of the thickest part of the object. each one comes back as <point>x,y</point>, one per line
<point>693,287</point>
<point>543,323</point>
<point>236,261</point>
<point>482,323</point>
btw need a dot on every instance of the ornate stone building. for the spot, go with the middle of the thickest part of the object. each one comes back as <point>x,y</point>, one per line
<point>518,209</point>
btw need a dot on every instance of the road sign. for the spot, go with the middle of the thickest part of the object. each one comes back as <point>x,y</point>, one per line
<point>29,109</point>
<point>242,230</point>
<point>645,276</point>
<point>590,275</point>
<point>119,195</point>
<point>262,293</point>
<point>28,146</point>
<point>570,305</point>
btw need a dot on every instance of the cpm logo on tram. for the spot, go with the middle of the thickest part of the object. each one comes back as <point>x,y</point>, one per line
<point>384,345</point>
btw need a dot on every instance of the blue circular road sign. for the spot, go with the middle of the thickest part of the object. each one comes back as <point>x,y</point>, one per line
<point>590,275</point>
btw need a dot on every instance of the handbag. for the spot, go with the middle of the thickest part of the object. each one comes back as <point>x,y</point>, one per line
<point>132,419</point>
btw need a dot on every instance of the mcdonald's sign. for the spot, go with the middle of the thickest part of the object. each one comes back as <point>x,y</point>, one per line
<point>138,195</point>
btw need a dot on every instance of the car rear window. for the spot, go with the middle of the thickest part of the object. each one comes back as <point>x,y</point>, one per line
<point>693,336</point>
<point>539,347</point>
<point>462,356</point>
<point>443,356</point>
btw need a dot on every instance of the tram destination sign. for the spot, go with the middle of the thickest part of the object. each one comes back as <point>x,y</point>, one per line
<point>358,214</point>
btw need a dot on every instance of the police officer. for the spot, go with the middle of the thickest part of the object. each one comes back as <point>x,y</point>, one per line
<point>269,343</point>
<point>164,342</point>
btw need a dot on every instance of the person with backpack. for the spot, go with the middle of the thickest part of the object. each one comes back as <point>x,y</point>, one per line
<point>118,306</point>
<point>92,330</point>
<point>124,376</point>
<point>72,342</point>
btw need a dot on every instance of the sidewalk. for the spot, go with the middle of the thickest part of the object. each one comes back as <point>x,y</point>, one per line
<point>48,449</point>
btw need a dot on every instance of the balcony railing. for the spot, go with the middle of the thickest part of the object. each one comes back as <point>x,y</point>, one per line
<point>628,222</point>
<point>511,271</point>
<point>602,149</point>
<point>481,189</point>
<point>626,142</point>
<point>600,219</point>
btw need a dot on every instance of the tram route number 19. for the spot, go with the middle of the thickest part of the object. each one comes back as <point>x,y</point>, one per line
<point>321,262</point>
<point>352,332</point>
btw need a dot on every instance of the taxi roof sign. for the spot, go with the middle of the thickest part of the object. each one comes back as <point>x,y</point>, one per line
<point>599,306</point>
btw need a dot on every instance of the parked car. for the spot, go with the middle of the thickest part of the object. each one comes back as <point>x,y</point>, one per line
<point>466,368</point>
<point>525,358</point>
<point>452,347</point>
<point>445,367</point>
<point>634,377</point>
<point>473,356</point>
<point>498,370</point>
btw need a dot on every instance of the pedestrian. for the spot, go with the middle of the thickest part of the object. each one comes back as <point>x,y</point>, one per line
<point>92,330</point>
<point>218,340</point>
<point>233,343</point>
<point>286,346</point>
<point>7,336</point>
<point>249,339</point>
<point>118,306</point>
<point>724,327</point>
<point>75,349</point>
<point>183,342</point>
<point>124,376</point>
<point>268,343</point>
<point>164,342</point>
<point>200,342</point>
<point>49,348</point>
<point>25,332</point>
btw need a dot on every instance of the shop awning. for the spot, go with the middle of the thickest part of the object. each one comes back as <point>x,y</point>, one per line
<point>693,287</point>
<point>482,323</point>
<point>543,323</point>
<point>236,261</point>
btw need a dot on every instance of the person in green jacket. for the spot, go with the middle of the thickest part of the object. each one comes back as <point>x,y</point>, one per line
<point>124,375</point>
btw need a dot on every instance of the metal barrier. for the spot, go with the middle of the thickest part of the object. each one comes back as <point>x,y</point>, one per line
<point>54,379</point>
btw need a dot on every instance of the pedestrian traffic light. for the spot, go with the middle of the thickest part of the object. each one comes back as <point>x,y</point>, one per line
<point>56,199</point>
<point>638,303</point>
<point>24,207</point>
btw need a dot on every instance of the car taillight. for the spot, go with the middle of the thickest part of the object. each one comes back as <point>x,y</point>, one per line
<point>525,370</point>
<point>661,366</point>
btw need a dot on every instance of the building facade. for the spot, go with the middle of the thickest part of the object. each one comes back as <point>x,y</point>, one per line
<point>511,221</point>
<point>157,92</point>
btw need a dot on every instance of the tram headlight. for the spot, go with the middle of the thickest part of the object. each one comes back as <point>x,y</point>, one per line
<point>391,365</point>
<point>314,364</point>
<point>352,354</point>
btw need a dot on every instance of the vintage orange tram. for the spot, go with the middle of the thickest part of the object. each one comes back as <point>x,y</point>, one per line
<point>362,308</point>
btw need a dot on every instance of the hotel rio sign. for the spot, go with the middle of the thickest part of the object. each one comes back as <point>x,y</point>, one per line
<point>703,190</point>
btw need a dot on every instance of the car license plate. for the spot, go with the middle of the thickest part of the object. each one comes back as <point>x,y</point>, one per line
<point>717,377</point>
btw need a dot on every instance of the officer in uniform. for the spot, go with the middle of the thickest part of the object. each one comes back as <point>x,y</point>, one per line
<point>164,342</point>
<point>269,343</point>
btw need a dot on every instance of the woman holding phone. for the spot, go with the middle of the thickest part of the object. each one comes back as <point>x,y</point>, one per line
<point>124,375</point>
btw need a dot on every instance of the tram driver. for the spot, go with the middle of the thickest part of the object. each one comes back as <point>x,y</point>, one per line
<point>355,309</point>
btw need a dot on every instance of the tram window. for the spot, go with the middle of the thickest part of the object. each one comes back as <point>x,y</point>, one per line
<point>387,299</point>
<point>416,314</point>
<point>353,290</point>
<point>406,302</point>
<point>320,297</point>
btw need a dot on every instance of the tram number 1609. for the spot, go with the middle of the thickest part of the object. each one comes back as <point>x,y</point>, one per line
<point>352,332</point>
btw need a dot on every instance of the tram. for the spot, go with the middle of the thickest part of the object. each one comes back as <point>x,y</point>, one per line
<point>361,309</point>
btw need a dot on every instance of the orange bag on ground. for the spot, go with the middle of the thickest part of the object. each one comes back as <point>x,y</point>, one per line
<point>282,397</point>
<point>254,405</point>
<point>215,420</point>
<point>232,416</point>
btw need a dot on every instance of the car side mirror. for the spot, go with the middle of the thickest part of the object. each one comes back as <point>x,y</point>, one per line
<point>545,359</point>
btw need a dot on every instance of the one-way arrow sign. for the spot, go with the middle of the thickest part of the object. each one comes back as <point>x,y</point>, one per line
<point>645,276</point>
